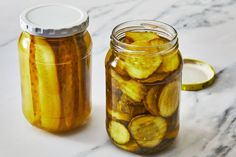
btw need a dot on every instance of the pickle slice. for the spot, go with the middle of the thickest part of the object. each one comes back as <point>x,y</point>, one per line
<point>118,132</point>
<point>156,77</point>
<point>48,85</point>
<point>147,130</point>
<point>131,146</point>
<point>170,62</point>
<point>138,36</point>
<point>151,100</point>
<point>117,115</point>
<point>137,110</point>
<point>169,99</point>
<point>131,88</point>
<point>142,67</point>
<point>122,105</point>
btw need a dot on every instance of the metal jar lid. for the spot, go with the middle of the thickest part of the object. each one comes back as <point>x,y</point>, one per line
<point>54,20</point>
<point>197,75</point>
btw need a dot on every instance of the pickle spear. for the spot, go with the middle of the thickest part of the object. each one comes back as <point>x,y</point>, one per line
<point>118,132</point>
<point>147,130</point>
<point>48,85</point>
<point>29,105</point>
<point>131,88</point>
<point>169,99</point>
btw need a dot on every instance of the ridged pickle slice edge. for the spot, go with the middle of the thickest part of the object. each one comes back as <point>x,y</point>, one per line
<point>118,132</point>
<point>147,130</point>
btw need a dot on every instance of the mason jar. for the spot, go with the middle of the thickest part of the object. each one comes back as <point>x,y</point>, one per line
<point>143,84</point>
<point>55,67</point>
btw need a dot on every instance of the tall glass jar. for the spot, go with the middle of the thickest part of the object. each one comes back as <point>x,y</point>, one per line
<point>143,84</point>
<point>55,66</point>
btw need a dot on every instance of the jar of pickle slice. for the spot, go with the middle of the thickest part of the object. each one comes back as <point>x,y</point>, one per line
<point>55,67</point>
<point>143,83</point>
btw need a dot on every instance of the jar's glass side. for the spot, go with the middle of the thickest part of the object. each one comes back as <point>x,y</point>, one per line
<point>142,97</point>
<point>56,79</point>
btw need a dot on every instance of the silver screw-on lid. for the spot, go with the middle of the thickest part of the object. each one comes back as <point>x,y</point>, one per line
<point>54,20</point>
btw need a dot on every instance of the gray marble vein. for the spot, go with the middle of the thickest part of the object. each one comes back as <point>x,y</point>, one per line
<point>204,13</point>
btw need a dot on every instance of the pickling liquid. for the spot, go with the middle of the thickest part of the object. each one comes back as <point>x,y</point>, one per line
<point>142,105</point>
<point>55,81</point>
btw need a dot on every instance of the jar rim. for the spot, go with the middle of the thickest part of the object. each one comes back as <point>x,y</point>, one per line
<point>143,25</point>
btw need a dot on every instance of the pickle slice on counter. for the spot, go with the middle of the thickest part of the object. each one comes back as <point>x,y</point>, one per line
<point>48,85</point>
<point>138,36</point>
<point>148,131</point>
<point>170,62</point>
<point>169,99</point>
<point>118,132</point>
<point>152,99</point>
<point>131,88</point>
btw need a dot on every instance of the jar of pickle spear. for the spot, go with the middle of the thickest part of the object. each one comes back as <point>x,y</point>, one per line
<point>54,54</point>
<point>143,83</point>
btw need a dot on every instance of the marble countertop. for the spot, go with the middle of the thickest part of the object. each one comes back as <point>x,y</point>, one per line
<point>206,31</point>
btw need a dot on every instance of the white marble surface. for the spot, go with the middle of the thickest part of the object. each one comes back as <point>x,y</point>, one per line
<point>208,118</point>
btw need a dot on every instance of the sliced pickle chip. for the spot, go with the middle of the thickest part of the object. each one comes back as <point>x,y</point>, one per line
<point>138,36</point>
<point>131,88</point>
<point>170,62</point>
<point>143,45</point>
<point>117,115</point>
<point>151,100</point>
<point>123,106</point>
<point>137,110</point>
<point>169,99</point>
<point>148,131</point>
<point>130,146</point>
<point>129,101</point>
<point>161,43</point>
<point>142,67</point>
<point>120,67</point>
<point>127,40</point>
<point>118,132</point>
<point>156,77</point>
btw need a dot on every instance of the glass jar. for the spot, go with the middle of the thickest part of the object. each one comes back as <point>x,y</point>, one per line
<point>55,67</point>
<point>143,84</point>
